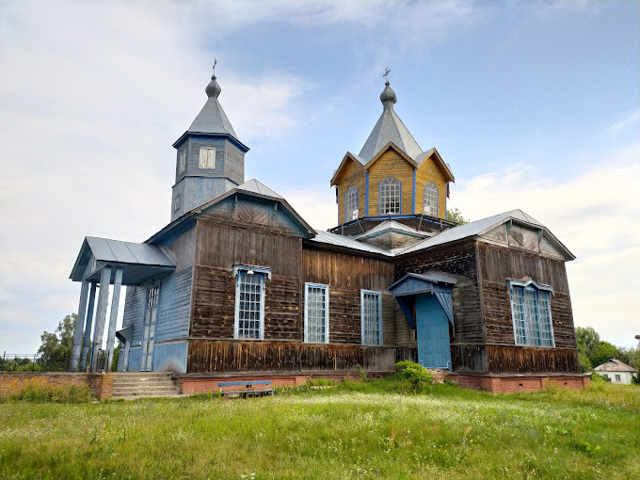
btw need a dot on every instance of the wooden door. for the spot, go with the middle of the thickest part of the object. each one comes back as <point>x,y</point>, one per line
<point>434,348</point>
<point>149,332</point>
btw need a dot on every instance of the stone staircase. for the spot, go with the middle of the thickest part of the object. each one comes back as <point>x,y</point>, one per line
<point>129,386</point>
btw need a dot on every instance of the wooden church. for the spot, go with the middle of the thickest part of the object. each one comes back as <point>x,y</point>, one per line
<point>238,285</point>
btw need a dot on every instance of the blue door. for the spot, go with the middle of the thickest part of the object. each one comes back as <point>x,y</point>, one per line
<point>432,332</point>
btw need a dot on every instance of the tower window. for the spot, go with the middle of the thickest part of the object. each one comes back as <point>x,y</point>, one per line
<point>176,203</point>
<point>430,204</point>
<point>182,162</point>
<point>207,157</point>
<point>351,211</point>
<point>389,191</point>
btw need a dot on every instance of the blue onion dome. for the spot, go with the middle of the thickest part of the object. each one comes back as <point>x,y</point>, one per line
<point>388,96</point>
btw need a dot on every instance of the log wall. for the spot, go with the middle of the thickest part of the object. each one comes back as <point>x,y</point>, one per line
<point>497,264</point>
<point>237,356</point>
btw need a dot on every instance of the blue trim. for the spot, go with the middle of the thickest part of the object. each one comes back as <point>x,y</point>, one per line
<point>256,269</point>
<point>366,206</point>
<point>413,203</point>
<point>338,202</point>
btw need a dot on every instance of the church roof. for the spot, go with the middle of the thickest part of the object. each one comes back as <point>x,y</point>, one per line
<point>212,120</point>
<point>254,186</point>
<point>482,226</point>
<point>389,128</point>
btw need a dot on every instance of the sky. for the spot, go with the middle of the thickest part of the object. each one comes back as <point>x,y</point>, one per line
<point>534,105</point>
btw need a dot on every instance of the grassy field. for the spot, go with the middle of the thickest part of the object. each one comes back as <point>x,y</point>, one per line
<point>352,431</point>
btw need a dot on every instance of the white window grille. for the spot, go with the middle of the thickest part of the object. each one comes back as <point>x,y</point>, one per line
<point>207,157</point>
<point>351,204</point>
<point>431,197</point>
<point>531,315</point>
<point>182,162</point>
<point>389,192</point>
<point>371,317</point>
<point>316,313</point>
<point>249,321</point>
<point>176,203</point>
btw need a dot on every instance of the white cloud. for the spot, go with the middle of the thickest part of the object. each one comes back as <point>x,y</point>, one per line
<point>631,120</point>
<point>595,215</point>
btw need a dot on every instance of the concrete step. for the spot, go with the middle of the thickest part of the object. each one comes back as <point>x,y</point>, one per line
<point>143,385</point>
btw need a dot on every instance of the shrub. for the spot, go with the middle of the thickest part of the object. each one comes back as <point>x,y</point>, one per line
<point>38,390</point>
<point>416,374</point>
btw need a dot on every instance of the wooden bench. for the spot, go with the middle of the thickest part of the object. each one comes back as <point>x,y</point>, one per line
<point>248,388</point>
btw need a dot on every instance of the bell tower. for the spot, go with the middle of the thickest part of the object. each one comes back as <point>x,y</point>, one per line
<point>209,157</point>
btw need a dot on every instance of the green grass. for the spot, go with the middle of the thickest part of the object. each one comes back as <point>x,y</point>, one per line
<point>349,431</point>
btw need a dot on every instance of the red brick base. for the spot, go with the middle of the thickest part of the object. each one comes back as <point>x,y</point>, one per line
<point>518,383</point>
<point>101,384</point>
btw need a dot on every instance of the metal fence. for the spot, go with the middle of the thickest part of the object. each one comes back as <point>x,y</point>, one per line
<point>33,362</point>
<point>36,362</point>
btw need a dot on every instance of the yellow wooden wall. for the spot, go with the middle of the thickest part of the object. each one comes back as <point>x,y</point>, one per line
<point>391,164</point>
<point>353,174</point>
<point>428,171</point>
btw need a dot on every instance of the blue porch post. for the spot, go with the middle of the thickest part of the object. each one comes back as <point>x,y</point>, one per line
<point>77,338</point>
<point>86,346</point>
<point>115,300</point>
<point>103,299</point>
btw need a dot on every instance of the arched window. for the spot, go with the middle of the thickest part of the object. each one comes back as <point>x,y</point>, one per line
<point>351,211</point>
<point>389,191</point>
<point>430,203</point>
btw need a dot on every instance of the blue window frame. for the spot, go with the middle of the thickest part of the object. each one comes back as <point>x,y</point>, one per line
<point>531,313</point>
<point>371,317</point>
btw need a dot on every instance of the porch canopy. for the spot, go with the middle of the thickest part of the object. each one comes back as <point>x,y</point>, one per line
<point>103,262</point>
<point>412,284</point>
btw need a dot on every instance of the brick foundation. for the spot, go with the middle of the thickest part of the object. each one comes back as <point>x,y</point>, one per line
<point>101,384</point>
<point>518,383</point>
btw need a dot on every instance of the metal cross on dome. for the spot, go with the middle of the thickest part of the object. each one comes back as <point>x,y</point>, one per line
<point>215,62</point>
<point>386,74</point>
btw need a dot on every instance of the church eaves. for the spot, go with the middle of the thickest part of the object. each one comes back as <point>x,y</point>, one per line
<point>389,128</point>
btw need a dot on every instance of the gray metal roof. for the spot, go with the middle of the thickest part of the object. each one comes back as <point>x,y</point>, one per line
<point>254,186</point>
<point>392,225</point>
<point>107,250</point>
<point>347,242</point>
<point>472,229</point>
<point>615,365</point>
<point>389,128</point>
<point>212,119</point>
<point>139,261</point>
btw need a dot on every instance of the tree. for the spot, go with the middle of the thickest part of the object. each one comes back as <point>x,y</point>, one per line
<point>603,352</point>
<point>55,348</point>
<point>455,215</point>
<point>587,339</point>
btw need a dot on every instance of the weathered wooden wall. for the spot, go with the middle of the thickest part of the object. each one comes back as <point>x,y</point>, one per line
<point>219,247</point>
<point>221,356</point>
<point>346,275</point>
<point>531,360</point>
<point>459,260</point>
<point>497,264</point>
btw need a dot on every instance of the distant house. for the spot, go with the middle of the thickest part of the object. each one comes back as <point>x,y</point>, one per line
<point>616,371</point>
<point>239,285</point>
